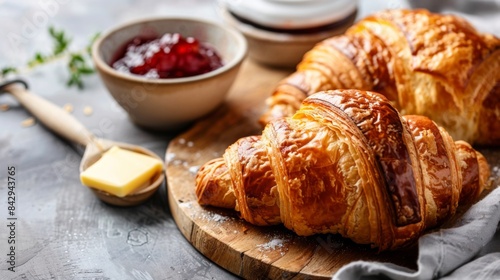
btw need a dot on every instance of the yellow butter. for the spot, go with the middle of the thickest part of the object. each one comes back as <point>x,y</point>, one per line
<point>120,171</point>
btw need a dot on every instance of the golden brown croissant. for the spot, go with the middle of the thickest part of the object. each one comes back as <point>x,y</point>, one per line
<point>346,162</point>
<point>426,64</point>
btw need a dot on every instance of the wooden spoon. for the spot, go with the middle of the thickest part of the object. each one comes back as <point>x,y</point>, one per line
<point>68,127</point>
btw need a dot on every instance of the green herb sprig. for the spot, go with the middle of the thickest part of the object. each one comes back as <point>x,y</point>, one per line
<point>78,64</point>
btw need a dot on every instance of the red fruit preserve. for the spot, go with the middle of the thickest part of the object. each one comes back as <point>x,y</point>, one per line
<point>171,56</point>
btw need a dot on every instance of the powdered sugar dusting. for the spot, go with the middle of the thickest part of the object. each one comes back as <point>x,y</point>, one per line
<point>183,141</point>
<point>495,175</point>
<point>186,204</point>
<point>219,218</point>
<point>194,169</point>
<point>210,216</point>
<point>274,244</point>
<point>171,158</point>
<point>495,171</point>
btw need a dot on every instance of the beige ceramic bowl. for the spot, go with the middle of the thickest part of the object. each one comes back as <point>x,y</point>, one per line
<point>169,104</point>
<point>281,48</point>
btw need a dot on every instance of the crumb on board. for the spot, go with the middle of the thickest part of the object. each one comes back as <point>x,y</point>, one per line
<point>244,229</point>
<point>87,110</point>
<point>28,122</point>
<point>4,107</point>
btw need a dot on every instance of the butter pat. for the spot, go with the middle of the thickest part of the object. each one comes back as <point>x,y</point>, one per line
<point>121,172</point>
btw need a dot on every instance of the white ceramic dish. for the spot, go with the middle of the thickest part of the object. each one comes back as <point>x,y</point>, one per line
<point>292,14</point>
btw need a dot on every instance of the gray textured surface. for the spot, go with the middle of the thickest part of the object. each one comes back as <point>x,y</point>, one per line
<point>63,231</point>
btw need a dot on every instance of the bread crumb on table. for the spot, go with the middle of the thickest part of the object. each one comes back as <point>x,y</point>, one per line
<point>28,122</point>
<point>87,110</point>
<point>68,108</point>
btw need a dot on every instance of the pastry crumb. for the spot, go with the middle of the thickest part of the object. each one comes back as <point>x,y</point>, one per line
<point>87,110</point>
<point>244,229</point>
<point>68,108</point>
<point>28,122</point>
<point>4,107</point>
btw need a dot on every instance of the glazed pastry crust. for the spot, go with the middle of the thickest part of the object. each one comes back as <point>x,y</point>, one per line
<point>424,63</point>
<point>347,162</point>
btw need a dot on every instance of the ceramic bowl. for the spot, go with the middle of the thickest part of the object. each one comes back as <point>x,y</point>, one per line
<point>282,48</point>
<point>170,104</point>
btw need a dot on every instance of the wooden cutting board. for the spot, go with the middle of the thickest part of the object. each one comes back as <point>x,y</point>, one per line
<point>245,250</point>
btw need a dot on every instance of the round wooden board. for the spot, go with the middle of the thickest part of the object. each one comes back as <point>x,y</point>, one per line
<point>248,251</point>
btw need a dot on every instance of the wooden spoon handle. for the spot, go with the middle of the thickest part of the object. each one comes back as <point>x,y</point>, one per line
<point>52,116</point>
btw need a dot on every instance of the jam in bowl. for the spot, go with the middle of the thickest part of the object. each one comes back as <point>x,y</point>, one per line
<point>169,56</point>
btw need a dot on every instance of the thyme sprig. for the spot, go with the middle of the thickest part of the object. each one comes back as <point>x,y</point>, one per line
<point>78,64</point>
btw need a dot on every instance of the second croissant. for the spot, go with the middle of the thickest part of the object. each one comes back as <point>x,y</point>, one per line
<point>347,162</point>
<point>425,63</point>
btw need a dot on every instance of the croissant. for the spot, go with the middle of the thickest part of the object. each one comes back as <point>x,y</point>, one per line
<point>347,162</point>
<point>424,63</point>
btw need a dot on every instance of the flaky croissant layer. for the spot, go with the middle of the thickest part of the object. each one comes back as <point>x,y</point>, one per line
<point>346,162</point>
<point>426,64</point>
